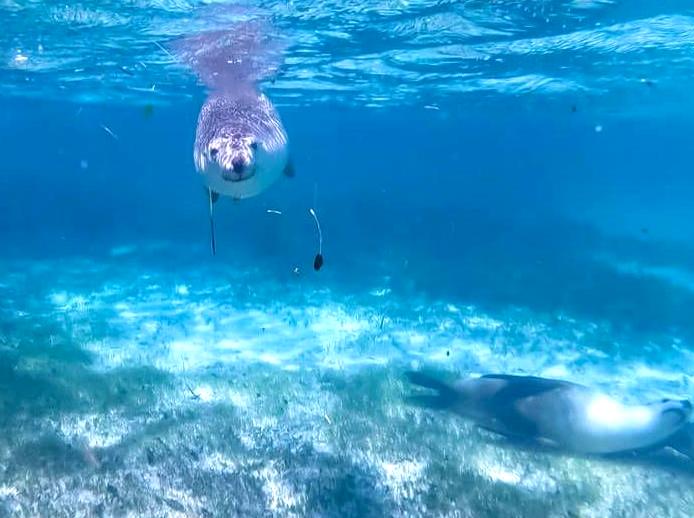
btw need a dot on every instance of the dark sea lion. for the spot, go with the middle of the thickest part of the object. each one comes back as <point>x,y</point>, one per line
<point>559,413</point>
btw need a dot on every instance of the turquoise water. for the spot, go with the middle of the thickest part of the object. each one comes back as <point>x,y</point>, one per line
<point>502,187</point>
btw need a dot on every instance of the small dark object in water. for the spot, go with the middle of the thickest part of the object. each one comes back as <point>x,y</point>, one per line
<point>112,491</point>
<point>318,261</point>
<point>175,505</point>
<point>148,110</point>
<point>644,230</point>
<point>150,457</point>
<point>448,353</point>
<point>574,109</point>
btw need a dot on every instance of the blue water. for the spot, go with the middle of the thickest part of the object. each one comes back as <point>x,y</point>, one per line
<point>502,187</point>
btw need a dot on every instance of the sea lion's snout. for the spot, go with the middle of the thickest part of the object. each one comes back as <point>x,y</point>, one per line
<point>238,164</point>
<point>240,167</point>
<point>234,158</point>
<point>677,411</point>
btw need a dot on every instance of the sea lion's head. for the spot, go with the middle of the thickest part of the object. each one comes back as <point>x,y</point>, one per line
<point>234,154</point>
<point>673,413</point>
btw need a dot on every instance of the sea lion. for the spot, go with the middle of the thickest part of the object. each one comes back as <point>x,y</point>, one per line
<point>241,146</point>
<point>555,412</point>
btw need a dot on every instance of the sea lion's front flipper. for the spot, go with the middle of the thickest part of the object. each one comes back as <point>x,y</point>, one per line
<point>505,403</point>
<point>683,440</point>
<point>444,399</point>
<point>213,197</point>
<point>289,171</point>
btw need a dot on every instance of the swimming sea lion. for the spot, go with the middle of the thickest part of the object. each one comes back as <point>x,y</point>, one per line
<point>555,412</point>
<point>241,146</point>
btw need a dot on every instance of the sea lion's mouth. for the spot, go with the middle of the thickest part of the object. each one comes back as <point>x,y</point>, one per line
<point>682,414</point>
<point>238,176</point>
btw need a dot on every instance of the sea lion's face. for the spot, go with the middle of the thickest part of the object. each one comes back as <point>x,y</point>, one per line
<point>673,413</point>
<point>234,155</point>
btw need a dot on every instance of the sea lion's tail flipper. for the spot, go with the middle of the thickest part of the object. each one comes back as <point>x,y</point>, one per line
<point>445,398</point>
<point>232,59</point>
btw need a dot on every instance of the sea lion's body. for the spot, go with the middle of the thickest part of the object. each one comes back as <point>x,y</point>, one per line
<point>241,147</point>
<point>563,414</point>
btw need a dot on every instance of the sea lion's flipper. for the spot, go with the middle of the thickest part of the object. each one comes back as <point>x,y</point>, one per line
<point>445,398</point>
<point>683,440</point>
<point>209,192</point>
<point>289,171</point>
<point>213,197</point>
<point>504,404</point>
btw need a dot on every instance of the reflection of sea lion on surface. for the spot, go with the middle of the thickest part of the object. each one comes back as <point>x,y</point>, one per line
<point>560,413</point>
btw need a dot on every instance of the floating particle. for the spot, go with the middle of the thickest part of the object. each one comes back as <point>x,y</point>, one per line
<point>20,58</point>
<point>598,128</point>
<point>109,131</point>
<point>84,164</point>
<point>273,211</point>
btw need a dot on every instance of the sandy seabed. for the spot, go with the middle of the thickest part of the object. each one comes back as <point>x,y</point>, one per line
<point>127,390</point>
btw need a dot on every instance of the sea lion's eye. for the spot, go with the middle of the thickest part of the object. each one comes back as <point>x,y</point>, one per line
<point>254,146</point>
<point>213,152</point>
<point>665,400</point>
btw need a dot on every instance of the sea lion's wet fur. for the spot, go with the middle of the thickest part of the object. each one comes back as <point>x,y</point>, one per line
<point>554,412</point>
<point>247,128</point>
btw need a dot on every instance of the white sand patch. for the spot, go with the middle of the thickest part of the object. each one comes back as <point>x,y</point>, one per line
<point>93,430</point>
<point>279,494</point>
<point>8,491</point>
<point>498,473</point>
<point>402,477</point>
<point>482,322</point>
<point>204,393</point>
<point>219,463</point>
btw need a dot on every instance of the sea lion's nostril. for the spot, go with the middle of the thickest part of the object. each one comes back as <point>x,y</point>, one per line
<point>213,152</point>
<point>237,164</point>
